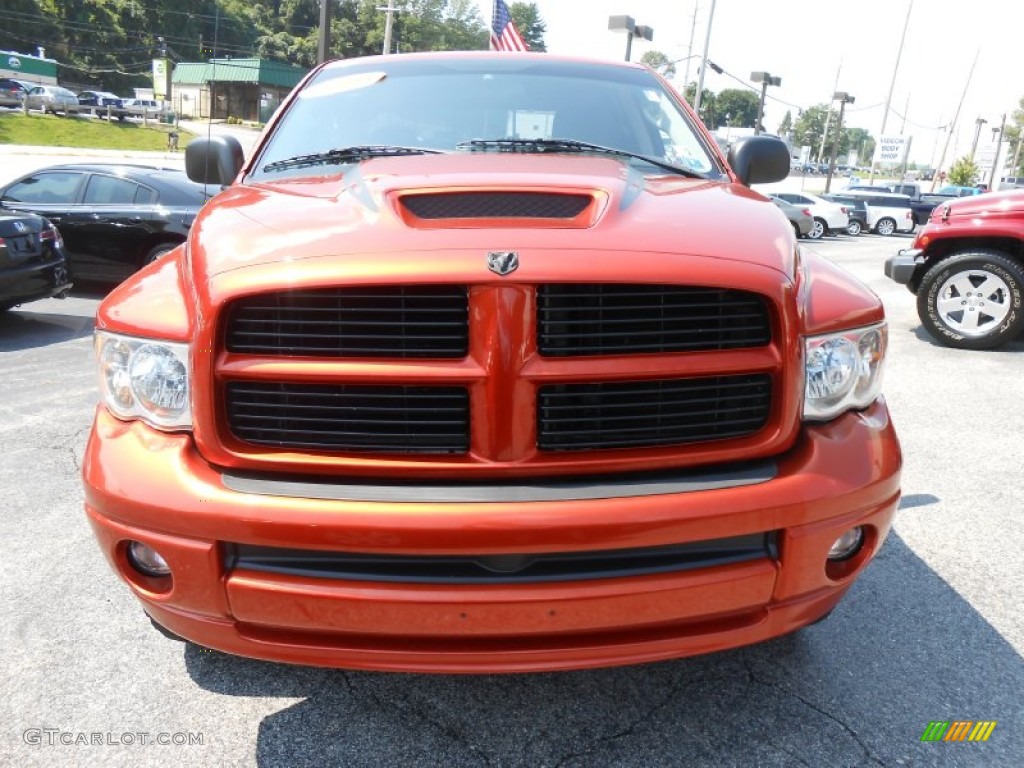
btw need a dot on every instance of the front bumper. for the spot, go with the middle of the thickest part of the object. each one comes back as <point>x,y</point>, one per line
<point>901,266</point>
<point>152,487</point>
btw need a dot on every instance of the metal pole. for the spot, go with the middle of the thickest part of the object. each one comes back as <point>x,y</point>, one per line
<point>892,84</point>
<point>703,62</point>
<point>760,107</point>
<point>954,123</point>
<point>835,146</point>
<point>390,20</point>
<point>995,160</point>
<point>689,51</point>
<point>323,45</point>
<point>629,44</point>
<point>978,122</point>
<point>828,113</point>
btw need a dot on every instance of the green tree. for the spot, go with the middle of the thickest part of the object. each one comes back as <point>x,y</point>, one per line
<point>963,172</point>
<point>739,105</point>
<point>707,106</point>
<point>787,124</point>
<point>660,63</point>
<point>530,25</point>
<point>862,141</point>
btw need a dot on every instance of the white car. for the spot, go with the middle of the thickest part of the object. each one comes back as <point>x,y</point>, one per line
<point>888,213</point>
<point>829,218</point>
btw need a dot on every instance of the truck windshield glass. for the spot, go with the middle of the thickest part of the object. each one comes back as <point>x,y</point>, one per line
<point>438,105</point>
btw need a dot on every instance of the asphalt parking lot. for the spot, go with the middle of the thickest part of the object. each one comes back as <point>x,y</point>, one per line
<point>932,631</point>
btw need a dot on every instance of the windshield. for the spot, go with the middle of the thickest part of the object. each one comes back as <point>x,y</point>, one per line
<point>431,103</point>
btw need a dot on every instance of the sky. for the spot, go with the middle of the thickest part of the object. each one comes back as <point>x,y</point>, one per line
<point>806,42</point>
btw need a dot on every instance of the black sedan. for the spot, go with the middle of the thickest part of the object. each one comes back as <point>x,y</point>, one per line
<point>33,264</point>
<point>114,218</point>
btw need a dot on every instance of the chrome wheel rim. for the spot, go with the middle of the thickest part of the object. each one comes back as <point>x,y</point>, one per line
<point>886,227</point>
<point>817,230</point>
<point>973,302</point>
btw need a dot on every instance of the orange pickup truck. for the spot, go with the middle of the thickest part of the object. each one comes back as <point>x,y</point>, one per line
<point>487,362</point>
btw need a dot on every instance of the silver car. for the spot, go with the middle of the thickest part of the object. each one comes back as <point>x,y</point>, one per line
<point>51,98</point>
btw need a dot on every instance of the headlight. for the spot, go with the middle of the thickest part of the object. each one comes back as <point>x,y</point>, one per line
<point>145,379</point>
<point>843,371</point>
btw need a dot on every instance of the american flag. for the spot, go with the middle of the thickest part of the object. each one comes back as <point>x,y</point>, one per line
<point>504,35</point>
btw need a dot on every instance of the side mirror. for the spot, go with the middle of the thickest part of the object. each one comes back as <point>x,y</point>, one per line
<point>759,160</point>
<point>214,160</point>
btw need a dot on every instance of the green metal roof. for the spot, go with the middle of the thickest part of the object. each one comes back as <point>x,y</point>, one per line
<point>238,71</point>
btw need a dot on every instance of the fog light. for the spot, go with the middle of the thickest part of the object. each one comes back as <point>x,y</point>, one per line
<point>147,560</point>
<point>847,545</point>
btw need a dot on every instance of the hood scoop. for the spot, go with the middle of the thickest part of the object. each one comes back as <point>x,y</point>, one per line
<point>485,208</point>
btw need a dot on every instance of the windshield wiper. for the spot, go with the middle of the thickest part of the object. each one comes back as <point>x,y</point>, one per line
<point>346,155</point>
<point>566,145</point>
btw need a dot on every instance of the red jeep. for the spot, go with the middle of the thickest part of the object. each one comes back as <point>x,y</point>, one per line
<point>489,362</point>
<point>967,269</point>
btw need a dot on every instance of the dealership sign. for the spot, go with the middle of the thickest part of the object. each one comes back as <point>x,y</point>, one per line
<point>892,149</point>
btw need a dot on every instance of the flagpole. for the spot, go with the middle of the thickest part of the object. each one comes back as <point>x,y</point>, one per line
<point>494,14</point>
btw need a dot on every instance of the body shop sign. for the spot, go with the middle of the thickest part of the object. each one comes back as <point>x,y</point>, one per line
<point>891,149</point>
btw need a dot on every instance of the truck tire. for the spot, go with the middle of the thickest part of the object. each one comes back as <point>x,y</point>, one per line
<point>853,228</point>
<point>973,299</point>
<point>885,227</point>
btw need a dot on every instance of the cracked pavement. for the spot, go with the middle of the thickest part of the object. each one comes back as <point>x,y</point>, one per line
<point>932,631</point>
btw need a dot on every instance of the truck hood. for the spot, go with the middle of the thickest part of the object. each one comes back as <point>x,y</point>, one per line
<point>988,205</point>
<point>363,220</point>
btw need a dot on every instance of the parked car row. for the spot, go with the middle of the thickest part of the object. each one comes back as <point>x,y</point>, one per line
<point>54,99</point>
<point>112,220</point>
<point>853,212</point>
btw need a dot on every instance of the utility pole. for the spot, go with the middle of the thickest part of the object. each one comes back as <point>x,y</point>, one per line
<point>388,24</point>
<point>892,84</point>
<point>323,45</point>
<point>689,51</point>
<point>954,125</point>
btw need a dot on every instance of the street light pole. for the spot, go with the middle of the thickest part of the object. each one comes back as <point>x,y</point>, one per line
<point>843,98</point>
<point>978,122</point>
<point>765,79</point>
<point>995,160</point>
<point>704,62</point>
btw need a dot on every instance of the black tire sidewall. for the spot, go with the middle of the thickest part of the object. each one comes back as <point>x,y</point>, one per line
<point>1007,270</point>
<point>853,228</point>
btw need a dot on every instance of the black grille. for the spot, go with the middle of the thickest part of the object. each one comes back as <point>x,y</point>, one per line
<point>628,319</point>
<point>401,322</point>
<point>496,205</point>
<point>633,414</point>
<point>484,569</point>
<point>403,419</point>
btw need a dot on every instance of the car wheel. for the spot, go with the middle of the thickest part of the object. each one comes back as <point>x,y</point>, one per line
<point>853,228</point>
<point>818,229</point>
<point>885,227</point>
<point>158,251</point>
<point>973,300</point>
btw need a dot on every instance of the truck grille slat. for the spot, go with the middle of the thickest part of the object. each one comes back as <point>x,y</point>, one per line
<point>496,205</point>
<point>737,406</point>
<point>585,319</point>
<point>499,569</point>
<point>395,321</point>
<point>402,419</point>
